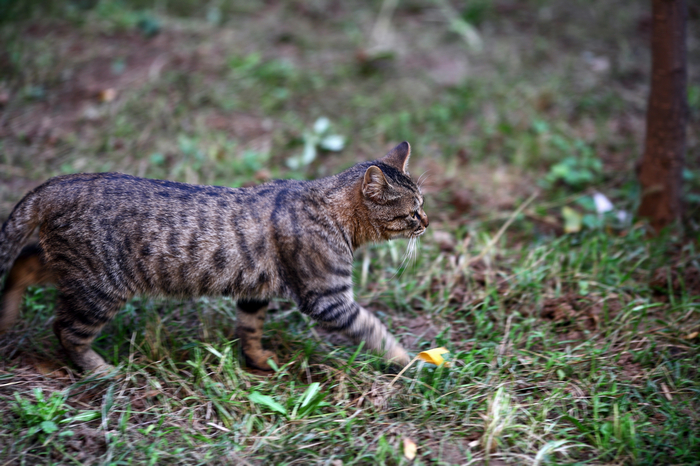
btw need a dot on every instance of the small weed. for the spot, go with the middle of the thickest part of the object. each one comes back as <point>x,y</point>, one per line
<point>303,406</point>
<point>319,137</point>
<point>43,417</point>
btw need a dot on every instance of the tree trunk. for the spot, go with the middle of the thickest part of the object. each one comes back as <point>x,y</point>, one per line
<point>661,167</point>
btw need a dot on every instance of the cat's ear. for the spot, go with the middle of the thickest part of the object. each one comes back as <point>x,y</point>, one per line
<point>398,157</point>
<point>375,185</point>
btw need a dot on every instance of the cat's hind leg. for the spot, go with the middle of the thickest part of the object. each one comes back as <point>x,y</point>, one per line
<point>78,321</point>
<point>27,270</point>
<point>250,318</point>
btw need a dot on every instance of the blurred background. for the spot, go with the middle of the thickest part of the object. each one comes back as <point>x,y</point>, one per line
<point>498,98</point>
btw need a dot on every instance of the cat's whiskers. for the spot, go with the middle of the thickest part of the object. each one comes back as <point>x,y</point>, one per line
<point>414,251</point>
<point>421,181</point>
<point>406,260</point>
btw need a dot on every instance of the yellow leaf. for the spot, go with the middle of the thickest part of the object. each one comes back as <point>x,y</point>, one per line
<point>690,336</point>
<point>409,448</point>
<point>572,220</point>
<point>108,95</point>
<point>433,356</point>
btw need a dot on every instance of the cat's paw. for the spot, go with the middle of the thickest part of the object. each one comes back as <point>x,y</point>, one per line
<point>259,359</point>
<point>397,356</point>
<point>104,371</point>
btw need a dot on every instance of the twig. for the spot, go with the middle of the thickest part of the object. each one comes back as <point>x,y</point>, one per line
<point>402,371</point>
<point>217,426</point>
<point>503,229</point>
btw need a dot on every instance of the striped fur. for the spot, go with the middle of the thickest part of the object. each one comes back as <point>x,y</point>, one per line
<point>106,237</point>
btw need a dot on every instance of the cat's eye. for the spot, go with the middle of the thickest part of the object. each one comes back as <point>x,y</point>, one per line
<point>415,215</point>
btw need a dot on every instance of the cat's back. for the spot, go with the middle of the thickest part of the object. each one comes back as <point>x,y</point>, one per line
<point>93,195</point>
<point>108,188</point>
<point>166,236</point>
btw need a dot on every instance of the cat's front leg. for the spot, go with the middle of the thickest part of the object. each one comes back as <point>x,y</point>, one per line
<point>368,328</point>
<point>359,324</point>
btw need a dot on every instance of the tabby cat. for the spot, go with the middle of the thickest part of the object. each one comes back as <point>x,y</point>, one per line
<point>106,237</point>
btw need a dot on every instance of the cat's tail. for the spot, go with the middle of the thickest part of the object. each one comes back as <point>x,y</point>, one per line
<point>24,265</point>
<point>17,230</point>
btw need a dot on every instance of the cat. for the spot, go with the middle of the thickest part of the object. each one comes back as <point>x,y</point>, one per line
<point>105,237</point>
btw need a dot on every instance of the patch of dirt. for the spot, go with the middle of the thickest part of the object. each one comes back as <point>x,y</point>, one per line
<point>26,377</point>
<point>628,369</point>
<point>421,328</point>
<point>103,63</point>
<point>87,444</point>
<point>466,283</point>
<point>239,125</point>
<point>575,314</point>
<point>463,200</point>
<point>675,280</point>
<point>254,132</point>
<point>484,275</point>
<point>88,84</point>
<point>452,450</point>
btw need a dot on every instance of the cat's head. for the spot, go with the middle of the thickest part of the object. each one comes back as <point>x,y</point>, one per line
<point>394,201</point>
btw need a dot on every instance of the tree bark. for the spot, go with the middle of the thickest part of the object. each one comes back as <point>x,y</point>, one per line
<point>661,167</point>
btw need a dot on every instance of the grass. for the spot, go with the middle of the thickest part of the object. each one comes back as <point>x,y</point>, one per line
<point>565,348</point>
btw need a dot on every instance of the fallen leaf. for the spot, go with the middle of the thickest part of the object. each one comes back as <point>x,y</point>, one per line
<point>108,95</point>
<point>572,220</point>
<point>691,336</point>
<point>434,356</point>
<point>409,448</point>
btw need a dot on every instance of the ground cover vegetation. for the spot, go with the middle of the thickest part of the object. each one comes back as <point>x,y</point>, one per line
<point>573,337</point>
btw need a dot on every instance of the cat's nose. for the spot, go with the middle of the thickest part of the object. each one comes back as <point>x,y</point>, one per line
<point>424,220</point>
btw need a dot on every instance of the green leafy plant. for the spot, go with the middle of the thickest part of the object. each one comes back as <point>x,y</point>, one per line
<point>303,406</point>
<point>578,169</point>
<point>272,80</point>
<point>320,137</point>
<point>45,416</point>
<point>598,212</point>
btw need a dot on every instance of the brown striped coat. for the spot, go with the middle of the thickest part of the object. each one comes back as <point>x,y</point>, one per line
<point>106,237</point>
